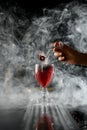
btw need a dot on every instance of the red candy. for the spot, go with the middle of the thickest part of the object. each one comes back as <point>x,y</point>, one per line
<point>41,57</point>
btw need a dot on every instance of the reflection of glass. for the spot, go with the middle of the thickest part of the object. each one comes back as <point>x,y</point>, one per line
<point>44,75</point>
<point>48,117</point>
<point>44,123</point>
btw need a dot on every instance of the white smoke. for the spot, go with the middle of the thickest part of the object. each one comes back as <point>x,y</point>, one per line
<point>21,42</point>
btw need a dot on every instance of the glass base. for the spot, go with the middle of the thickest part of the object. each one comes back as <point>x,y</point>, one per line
<point>45,98</point>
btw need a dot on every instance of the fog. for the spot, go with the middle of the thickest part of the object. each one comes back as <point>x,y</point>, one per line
<point>22,39</point>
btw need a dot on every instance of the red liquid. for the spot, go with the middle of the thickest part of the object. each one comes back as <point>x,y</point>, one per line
<point>44,123</point>
<point>44,75</point>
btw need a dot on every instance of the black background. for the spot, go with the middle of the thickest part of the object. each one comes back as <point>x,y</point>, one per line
<point>35,7</point>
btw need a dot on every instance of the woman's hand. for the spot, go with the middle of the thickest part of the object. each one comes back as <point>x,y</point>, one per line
<point>66,54</point>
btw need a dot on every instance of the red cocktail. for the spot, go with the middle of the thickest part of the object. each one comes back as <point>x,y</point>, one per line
<point>44,74</point>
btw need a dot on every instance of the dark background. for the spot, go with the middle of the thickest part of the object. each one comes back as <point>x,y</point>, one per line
<point>34,7</point>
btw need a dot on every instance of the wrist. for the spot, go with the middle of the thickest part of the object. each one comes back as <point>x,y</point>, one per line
<point>81,59</point>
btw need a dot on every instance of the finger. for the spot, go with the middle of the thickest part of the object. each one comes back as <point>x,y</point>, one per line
<point>61,58</point>
<point>57,49</point>
<point>57,54</point>
<point>58,44</point>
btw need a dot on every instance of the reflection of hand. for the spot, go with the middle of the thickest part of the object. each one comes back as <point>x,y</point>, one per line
<point>66,53</point>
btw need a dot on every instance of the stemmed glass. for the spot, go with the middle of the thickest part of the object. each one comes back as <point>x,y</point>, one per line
<point>44,75</point>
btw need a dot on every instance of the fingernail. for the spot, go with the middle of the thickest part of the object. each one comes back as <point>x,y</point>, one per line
<point>60,44</point>
<point>55,54</point>
<point>61,58</point>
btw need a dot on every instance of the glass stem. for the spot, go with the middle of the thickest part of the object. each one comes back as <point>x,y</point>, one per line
<point>44,93</point>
